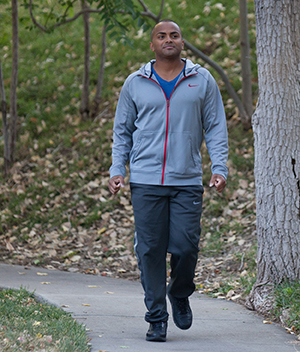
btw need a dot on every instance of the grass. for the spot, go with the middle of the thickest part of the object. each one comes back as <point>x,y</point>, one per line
<point>287,305</point>
<point>28,325</point>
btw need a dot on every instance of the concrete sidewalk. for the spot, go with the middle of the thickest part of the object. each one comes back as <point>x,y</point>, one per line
<point>113,311</point>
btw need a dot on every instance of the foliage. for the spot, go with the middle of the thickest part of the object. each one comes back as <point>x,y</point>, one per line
<point>117,15</point>
<point>214,29</point>
<point>27,325</point>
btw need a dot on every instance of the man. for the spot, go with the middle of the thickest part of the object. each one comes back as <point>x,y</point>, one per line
<point>160,118</point>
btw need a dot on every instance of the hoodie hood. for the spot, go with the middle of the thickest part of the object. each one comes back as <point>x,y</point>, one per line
<point>190,68</point>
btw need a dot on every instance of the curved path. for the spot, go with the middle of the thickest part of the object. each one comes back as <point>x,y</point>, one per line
<point>113,311</point>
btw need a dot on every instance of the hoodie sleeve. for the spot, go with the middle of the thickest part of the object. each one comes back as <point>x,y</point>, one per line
<point>122,132</point>
<point>214,122</point>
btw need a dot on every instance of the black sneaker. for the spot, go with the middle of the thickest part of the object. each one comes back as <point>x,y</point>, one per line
<point>157,331</point>
<point>182,313</point>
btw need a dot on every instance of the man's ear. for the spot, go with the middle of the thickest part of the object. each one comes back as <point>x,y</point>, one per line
<point>182,44</point>
<point>151,47</point>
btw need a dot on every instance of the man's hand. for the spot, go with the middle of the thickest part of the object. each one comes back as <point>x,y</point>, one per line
<point>218,181</point>
<point>115,183</point>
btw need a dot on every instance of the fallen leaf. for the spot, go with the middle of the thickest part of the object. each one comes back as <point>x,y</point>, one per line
<point>66,226</point>
<point>233,298</point>
<point>124,201</point>
<point>45,283</point>
<point>231,239</point>
<point>93,184</point>
<point>42,274</point>
<point>122,271</point>
<point>101,230</point>
<point>243,183</point>
<point>86,305</point>
<point>267,322</point>
<point>9,246</point>
<point>75,258</point>
<point>82,174</point>
<point>92,286</point>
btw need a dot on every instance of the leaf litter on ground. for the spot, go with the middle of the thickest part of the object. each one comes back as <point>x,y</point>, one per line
<point>63,217</point>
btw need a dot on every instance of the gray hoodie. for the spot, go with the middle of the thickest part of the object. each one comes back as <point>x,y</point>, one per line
<point>162,138</point>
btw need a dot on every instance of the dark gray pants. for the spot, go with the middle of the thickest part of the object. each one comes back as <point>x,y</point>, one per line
<point>167,219</point>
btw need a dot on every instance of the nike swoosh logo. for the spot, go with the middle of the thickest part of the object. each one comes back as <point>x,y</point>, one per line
<point>193,85</point>
<point>196,202</point>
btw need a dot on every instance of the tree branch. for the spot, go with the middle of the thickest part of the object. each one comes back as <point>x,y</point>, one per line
<point>67,9</point>
<point>143,5</point>
<point>218,68</point>
<point>86,10</point>
<point>162,5</point>
<point>46,30</point>
<point>147,12</point>
<point>244,116</point>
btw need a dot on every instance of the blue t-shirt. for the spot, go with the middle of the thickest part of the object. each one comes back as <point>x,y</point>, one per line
<point>167,86</point>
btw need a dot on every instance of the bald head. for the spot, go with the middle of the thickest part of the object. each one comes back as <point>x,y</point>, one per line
<point>158,25</point>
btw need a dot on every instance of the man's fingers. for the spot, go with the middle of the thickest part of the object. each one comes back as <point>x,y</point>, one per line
<point>115,183</point>
<point>218,181</point>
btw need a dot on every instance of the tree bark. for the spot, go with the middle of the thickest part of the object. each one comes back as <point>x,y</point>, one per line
<point>5,126</point>
<point>97,98</point>
<point>14,79</point>
<point>276,127</point>
<point>84,109</point>
<point>245,61</point>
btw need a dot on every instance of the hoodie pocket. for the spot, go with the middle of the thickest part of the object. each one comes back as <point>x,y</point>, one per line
<point>182,157</point>
<point>146,152</point>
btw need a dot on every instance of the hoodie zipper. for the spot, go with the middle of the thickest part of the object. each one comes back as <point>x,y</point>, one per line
<point>167,121</point>
<point>166,140</point>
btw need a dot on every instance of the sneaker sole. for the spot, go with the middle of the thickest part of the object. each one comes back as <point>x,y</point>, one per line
<point>156,339</point>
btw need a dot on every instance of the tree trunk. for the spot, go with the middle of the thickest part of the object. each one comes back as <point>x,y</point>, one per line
<point>97,98</point>
<point>84,109</point>
<point>14,79</point>
<point>276,127</point>
<point>245,61</point>
<point>5,126</point>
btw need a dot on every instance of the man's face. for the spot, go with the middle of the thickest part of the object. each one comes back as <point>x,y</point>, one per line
<point>166,40</point>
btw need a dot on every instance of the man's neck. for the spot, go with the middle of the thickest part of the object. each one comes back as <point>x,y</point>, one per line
<point>168,69</point>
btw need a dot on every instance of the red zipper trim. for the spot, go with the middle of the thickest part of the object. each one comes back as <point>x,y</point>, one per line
<point>167,122</point>
<point>166,142</point>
